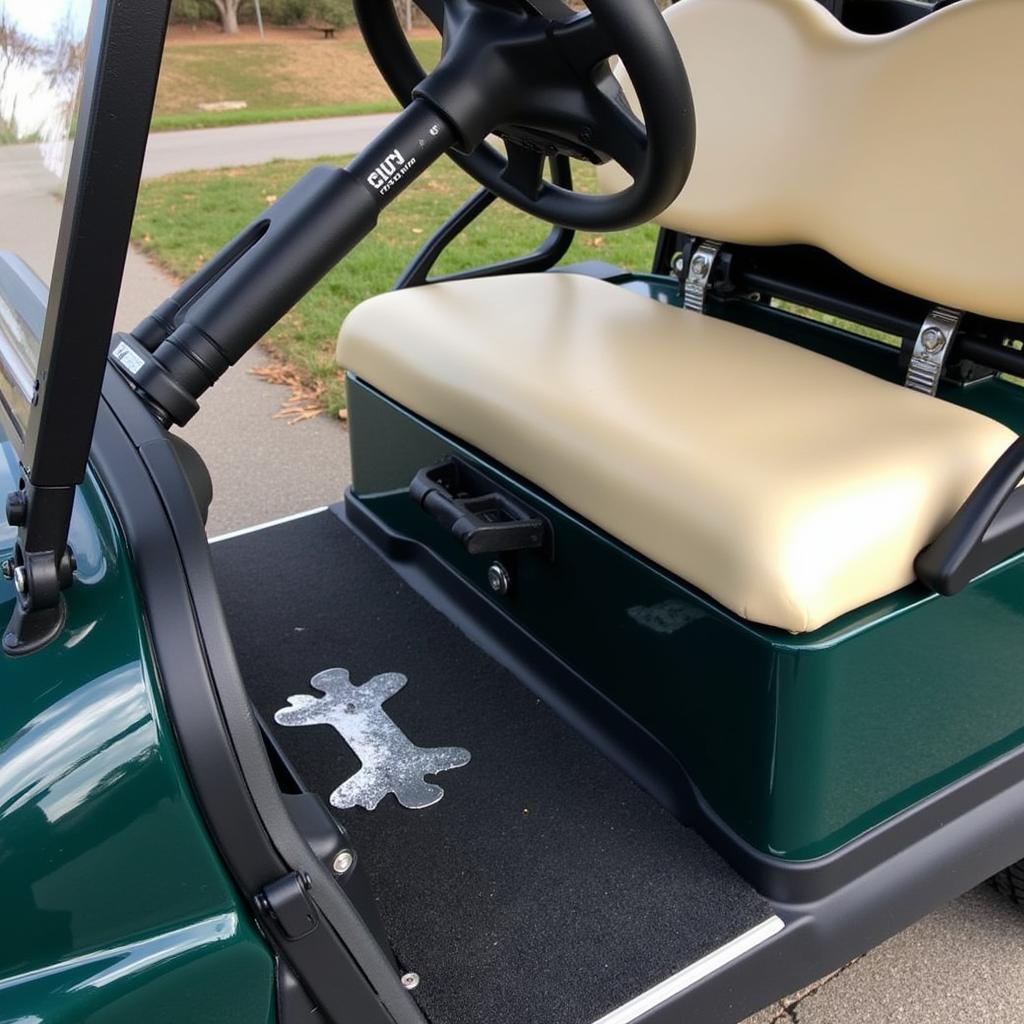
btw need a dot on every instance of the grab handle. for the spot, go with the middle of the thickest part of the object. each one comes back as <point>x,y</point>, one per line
<point>987,529</point>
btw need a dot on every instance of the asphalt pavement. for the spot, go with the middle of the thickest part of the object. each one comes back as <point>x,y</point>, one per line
<point>965,961</point>
<point>208,148</point>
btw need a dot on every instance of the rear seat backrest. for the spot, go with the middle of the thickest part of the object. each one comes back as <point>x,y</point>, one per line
<point>901,154</point>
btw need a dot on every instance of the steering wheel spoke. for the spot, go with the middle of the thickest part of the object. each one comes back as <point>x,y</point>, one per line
<point>616,130</point>
<point>584,43</point>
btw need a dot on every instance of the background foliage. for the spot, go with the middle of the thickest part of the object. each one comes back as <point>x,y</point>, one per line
<point>278,12</point>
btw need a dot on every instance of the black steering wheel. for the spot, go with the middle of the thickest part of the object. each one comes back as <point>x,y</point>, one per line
<point>536,74</point>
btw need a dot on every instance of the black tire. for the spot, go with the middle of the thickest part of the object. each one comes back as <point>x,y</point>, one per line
<point>1011,882</point>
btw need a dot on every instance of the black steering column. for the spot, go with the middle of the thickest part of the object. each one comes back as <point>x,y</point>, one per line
<point>530,71</point>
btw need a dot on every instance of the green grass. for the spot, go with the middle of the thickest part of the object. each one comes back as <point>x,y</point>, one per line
<point>182,220</point>
<point>228,118</point>
<point>279,81</point>
<point>851,326</point>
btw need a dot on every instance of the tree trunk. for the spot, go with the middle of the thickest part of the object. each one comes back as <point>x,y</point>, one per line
<point>228,11</point>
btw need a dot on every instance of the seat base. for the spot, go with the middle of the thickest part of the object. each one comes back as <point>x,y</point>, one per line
<point>851,724</point>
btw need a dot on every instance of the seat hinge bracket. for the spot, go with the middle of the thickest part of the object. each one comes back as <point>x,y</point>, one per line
<point>697,280</point>
<point>931,350</point>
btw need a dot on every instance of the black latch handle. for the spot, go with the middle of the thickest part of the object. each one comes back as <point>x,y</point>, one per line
<point>479,513</point>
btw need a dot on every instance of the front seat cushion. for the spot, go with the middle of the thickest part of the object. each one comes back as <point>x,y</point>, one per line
<point>789,487</point>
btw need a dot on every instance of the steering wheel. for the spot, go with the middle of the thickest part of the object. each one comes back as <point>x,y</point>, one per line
<point>537,75</point>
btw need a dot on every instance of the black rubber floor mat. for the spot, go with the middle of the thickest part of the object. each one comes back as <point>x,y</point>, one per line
<point>545,887</point>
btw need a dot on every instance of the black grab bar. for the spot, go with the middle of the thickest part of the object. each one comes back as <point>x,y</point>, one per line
<point>544,257</point>
<point>987,529</point>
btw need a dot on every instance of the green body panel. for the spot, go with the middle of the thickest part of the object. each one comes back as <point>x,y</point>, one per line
<point>123,910</point>
<point>799,743</point>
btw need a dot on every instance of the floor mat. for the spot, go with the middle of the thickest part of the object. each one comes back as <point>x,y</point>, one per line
<point>544,887</point>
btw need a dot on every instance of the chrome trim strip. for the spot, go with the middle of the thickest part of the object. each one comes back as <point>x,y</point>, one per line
<point>689,976</point>
<point>268,524</point>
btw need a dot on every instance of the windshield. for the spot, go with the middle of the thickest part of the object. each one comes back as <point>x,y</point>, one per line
<point>42,50</point>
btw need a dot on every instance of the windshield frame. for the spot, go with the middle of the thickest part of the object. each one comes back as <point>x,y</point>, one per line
<point>124,45</point>
<point>122,62</point>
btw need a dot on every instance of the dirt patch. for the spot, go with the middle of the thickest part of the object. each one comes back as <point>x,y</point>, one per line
<point>293,68</point>
<point>323,74</point>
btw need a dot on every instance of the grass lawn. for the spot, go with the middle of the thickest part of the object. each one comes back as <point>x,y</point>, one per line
<point>182,220</point>
<point>291,76</point>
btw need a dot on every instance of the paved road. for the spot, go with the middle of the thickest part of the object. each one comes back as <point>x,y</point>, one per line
<point>256,144</point>
<point>964,961</point>
<point>167,152</point>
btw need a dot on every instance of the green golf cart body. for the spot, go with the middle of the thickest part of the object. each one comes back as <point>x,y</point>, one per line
<point>701,588</point>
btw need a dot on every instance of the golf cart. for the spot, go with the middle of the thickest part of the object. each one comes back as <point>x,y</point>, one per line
<point>664,653</point>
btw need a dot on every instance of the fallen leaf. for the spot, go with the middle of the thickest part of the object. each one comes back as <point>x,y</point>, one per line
<point>305,401</point>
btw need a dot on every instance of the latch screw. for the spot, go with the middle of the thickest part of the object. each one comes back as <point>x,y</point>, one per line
<point>20,580</point>
<point>343,862</point>
<point>410,980</point>
<point>699,266</point>
<point>498,579</point>
<point>933,339</point>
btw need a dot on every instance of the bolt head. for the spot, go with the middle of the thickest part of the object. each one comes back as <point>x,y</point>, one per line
<point>933,339</point>
<point>498,578</point>
<point>699,266</point>
<point>410,980</point>
<point>343,862</point>
<point>20,580</point>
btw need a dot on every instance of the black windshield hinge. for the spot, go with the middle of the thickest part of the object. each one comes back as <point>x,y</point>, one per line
<point>42,566</point>
<point>286,902</point>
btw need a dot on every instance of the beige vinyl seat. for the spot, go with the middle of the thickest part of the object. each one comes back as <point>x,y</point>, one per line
<point>789,487</point>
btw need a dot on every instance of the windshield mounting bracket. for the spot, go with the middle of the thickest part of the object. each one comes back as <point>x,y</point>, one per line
<point>42,567</point>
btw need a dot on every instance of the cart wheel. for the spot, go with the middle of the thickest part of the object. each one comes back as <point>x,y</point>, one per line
<point>1010,882</point>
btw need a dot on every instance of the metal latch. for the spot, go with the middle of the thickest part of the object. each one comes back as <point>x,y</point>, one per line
<point>287,902</point>
<point>932,349</point>
<point>697,281</point>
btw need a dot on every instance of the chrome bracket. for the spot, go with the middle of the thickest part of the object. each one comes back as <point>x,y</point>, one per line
<point>698,276</point>
<point>932,349</point>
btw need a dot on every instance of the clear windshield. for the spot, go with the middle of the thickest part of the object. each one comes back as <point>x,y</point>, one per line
<point>42,49</point>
